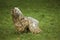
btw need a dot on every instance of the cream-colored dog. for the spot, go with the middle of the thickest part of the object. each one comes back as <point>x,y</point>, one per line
<point>22,22</point>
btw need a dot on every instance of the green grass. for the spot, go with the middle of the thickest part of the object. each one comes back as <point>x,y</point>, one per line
<point>46,11</point>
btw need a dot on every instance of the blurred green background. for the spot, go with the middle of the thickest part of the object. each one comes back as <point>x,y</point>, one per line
<point>46,11</point>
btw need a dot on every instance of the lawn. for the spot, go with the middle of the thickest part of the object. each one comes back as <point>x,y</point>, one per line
<point>46,11</point>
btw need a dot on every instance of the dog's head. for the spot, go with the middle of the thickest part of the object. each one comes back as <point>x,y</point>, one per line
<point>16,12</point>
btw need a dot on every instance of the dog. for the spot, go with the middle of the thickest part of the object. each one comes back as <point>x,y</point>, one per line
<point>23,23</point>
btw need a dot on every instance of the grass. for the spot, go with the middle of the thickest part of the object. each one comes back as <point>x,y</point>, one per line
<point>46,11</point>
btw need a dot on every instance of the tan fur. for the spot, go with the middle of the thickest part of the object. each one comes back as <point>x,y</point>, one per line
<point>21,22</point>
<point>34,25</point>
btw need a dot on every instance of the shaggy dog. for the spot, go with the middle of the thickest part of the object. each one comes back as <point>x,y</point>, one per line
<point>22,23</point>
